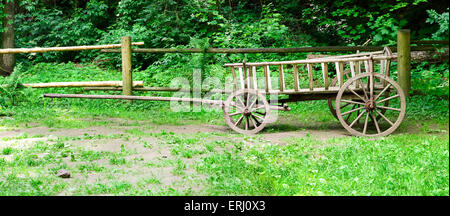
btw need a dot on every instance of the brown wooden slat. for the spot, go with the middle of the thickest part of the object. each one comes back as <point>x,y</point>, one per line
<point>325,75</point>
<point>255,81</point>
<point>296,86</point>
<point>340,73</point>
<point>281,77</point>
<point>310,76</point>
<point>234,78</point>
<point>241,78</point>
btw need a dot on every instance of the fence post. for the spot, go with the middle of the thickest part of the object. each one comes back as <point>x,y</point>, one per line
<point>127,79</point>
<point>404,59</point>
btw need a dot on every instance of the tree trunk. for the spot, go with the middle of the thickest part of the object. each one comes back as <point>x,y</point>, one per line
<point>7,60</point>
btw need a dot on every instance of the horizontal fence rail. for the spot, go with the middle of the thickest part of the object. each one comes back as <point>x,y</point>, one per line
<point>429,42</point>
<point>69,48</point>
<point>267,50</point>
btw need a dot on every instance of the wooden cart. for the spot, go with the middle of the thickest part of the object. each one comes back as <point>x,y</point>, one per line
<point>369,102</point>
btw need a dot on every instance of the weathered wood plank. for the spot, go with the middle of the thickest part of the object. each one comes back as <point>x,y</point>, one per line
<point>325,75</point>
<point>267,78</point>
<point>281,77</point>
<point>241,78</point>
<point>82,84</point>
<point>69,48</point>
<point>340,73</point>
<point>296,84</point>
<point>310,77</point>
<point>233,72</point>
<point>255,81</point>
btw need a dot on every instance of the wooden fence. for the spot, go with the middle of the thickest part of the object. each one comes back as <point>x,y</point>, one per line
<point>403,50</point>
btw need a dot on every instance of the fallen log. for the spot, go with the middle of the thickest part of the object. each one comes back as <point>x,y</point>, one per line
<point>82,84</point>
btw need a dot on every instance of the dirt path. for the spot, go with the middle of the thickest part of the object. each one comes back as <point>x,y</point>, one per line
<point>276,133</point>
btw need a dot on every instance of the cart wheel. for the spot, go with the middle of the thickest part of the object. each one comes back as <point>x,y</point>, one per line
<point>333,84</point>
<point>331,105</point>
<point>246,111</point>
<point>373,90</point>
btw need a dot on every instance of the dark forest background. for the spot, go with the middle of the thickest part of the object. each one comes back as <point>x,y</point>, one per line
<point>219,23</point>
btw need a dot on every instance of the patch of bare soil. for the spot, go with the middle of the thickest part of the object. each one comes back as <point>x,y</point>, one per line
<point>46,131</point>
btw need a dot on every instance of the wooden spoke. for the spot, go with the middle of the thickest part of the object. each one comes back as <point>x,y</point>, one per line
<point>357,114</point>
<point>246,123</point>
<point>253,103</point>
<point>364,90</point>
<point>259,117</point>
<point>253,116</point>
<point>379,94</point>
<point>258,112</point>
<point>239,99</point>
<point>348,116</point>
<point>348,112</point>
<point>352,102</point>
<point>345,105</point>
<point>253,122</point>
<point>356,94</point>
<point>357,118</point>
<point>389,108</point>
<point>384,117</point>
<point>239,121</point>
<point>235,105</point>
<point>375,122</point>
<point>248,99</point>
<point>236,113</point>
<point>389,98</point>
<point>365,123</point>
<point>258,107</point>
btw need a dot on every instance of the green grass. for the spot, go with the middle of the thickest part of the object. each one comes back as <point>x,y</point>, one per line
<point>397,165</point>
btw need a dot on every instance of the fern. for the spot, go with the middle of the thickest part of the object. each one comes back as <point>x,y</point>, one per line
<point>11,90</point>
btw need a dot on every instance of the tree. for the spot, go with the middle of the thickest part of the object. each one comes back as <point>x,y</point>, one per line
<point>7,60</point>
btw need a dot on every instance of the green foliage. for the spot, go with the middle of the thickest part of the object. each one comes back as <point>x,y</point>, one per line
<point>442,20</point>
<point>431,79</point>
<point>354,23</point>
<point>52,27</point>
<point>12,92</point>
<point>227,24</point>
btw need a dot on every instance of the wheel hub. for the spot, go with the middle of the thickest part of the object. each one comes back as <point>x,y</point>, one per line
<point>370,105</point>
<point>247,112</point>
